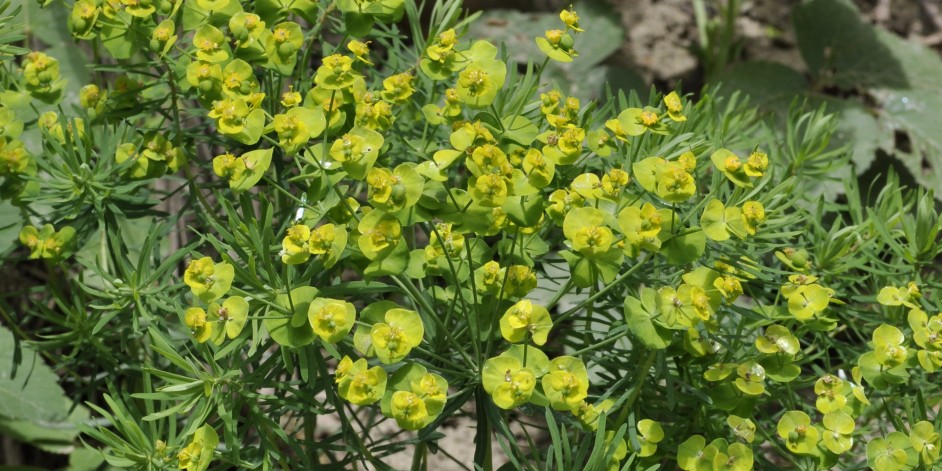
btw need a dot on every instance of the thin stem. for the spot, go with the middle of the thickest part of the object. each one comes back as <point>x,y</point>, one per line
<point>641,374</point>
<point>605,289</point>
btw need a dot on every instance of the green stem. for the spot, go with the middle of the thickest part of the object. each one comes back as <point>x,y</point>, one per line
<point>563,290</point>
<point>641,374</point>
<point>314,35</point>
<point>587,330</point>
<point>459,292</point>
<point>420,458</point>
<point>597,346</point>
<point>423,305</point>
<point>605,289</point>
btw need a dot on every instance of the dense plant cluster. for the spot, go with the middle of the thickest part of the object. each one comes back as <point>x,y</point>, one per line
<point>352,213</point>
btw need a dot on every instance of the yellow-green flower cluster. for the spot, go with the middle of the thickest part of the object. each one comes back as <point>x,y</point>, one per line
<point>388,332</point>
<point>524,374</point>
<point>415,397</point>
<point>15,161</point>
<point>41,77</point>
<point>695,454</point>
<point>412,396</point>
<point>358,384</point>
<point>325,243</point>
<point>47,243</point>
<point>806,298</point>
<point>742,172</point>
<point>558,44</point>
<point>151,157</point>
<point>209,281</point>
<point>198,453</point>
<point>718,221</point>
<point>927,334</point>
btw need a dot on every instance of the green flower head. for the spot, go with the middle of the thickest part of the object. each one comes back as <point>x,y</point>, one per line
<point>777,339</point>
<point>196,320</point>
<point>743,428</point>
<point>238,79</point>
<point>566,384</point>
<point>415,397</point>
<point>246,28</point>
<point>650,433</point>
<point>641,226</point>
<point>295,247</point>
<point>520,280</point>
<point>358,384</point>
<point>830,392</point>
<point>587,232</point>
<point>327,243</point>
<point>398,88</point>
<point>444,242</point>
<point>282,45</point>
<point>926,441</point>
<point>557,44</point>
<point>47,243</point>
<point>509,383</point>
<point>336,73</point>
<point>523,319</point>
<point>163,37</point>
<point>210,44</point>
<point>357,150</point>
<point>230,316</point>
<point>751,378</point>
<point>41,77</point>
<point>197,455</point>
<point>207,78</point>
<point>800,436</point>
<point>207,280</point>
<point>297,126</point>
<point>836,436</point>
<point>380,234</point>
<point>674,184</point>
<point>245,171</point>
<point>675,107</point>
<point>14,159</point>
<point>893,453</point>
<point>331,319</point>
<point>902,296</point>
<point>741,172</point>
<point>888,346</point>
<point>480,81</point>
<point>83,18</point>
<point>400,332</point>
<point>637,121</point>
<point>409,410</point>
<point>807,301</point>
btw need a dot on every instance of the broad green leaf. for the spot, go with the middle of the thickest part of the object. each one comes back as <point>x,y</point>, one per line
<point>837,44</point>
<point>519,129</point>
<point>293,331</point>
<point>256,164</point>
<point>639,320</point>
<point>54,437</point>
<point>29,390</point>
<point>768,84</point>
<point>919,115</point>
<point>683,249</point>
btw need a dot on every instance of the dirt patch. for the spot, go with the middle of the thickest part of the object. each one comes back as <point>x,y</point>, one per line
<point>661,37</point>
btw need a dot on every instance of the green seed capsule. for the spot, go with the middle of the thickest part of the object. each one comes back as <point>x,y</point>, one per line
<point>285,49</point>
<point>206,86</point>
<point>566,42</point>
<point>398,192</point>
